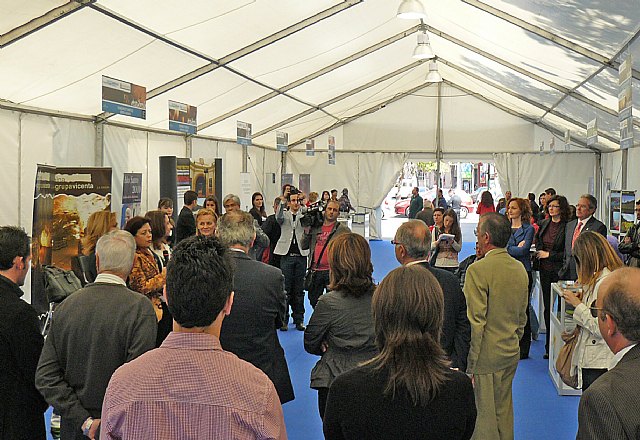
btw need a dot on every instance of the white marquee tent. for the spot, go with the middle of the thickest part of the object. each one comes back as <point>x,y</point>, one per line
<point>517,73</point>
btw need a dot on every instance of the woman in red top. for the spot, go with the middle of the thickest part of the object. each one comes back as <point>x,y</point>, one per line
<point>486,203</point>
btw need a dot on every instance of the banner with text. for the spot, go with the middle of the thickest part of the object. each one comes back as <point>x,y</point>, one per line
<point>183,117</point>
<point>332,150</point>
<point>243,133</point>
<point>123,98</point>
<point>131,197</point>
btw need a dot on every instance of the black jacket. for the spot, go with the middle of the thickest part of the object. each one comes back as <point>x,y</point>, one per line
<point>456,330</point>
<point>249,332</point>
<point>556,253</point>
<point>568,270</point>
<point>186,225</point>
<point>21,405</point>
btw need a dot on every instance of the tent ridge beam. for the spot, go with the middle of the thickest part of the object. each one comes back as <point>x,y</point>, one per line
<point>370,110</point>
<point>341,97</point>
<point>42,21</point>
<point>522,98</point>
<point>313,76</point>
<point>557,39</point>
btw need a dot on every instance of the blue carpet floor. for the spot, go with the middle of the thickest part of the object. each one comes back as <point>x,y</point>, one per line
<point>539,412</point>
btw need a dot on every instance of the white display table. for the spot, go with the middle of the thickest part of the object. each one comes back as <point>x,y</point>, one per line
<point>560,321</point>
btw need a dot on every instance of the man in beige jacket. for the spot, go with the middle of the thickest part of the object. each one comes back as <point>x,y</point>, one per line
<point>496,291</point>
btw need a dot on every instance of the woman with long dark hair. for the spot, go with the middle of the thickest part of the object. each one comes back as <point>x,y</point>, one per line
<point>486,203</point>
<point>448,243</point>
<point>595,260</point>
<point>257,210</point>
<point>211,202</point>
<point>341,326</point>
<point>519,246</point>
<point>550,253</point>
<point>408,390</point>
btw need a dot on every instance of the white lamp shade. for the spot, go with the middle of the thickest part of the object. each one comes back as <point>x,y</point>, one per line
<point>423,50</point>
<point>411,10</point>
<point>433,76</point>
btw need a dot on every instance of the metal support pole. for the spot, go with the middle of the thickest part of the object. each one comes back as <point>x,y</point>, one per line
<point>245,158</point>
<point>99,145</point>
<point>438,138</point>
<point>597,185</point>
<point>283,162</point>
<point>625,160</point>
<point>188,146</point>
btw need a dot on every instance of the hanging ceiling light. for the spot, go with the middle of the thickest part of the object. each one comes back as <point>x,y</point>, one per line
<point>433,76</point>
<point>411,10</point>
<point>423,50</point>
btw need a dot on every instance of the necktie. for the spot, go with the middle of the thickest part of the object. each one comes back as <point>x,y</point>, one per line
<point>576,232</point>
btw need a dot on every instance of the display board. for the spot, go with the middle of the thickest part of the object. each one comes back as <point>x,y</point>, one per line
<point>622,211</point>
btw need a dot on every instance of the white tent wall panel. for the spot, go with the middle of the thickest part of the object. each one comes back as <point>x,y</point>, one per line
<point>11,168</point>
<point>568,173</point>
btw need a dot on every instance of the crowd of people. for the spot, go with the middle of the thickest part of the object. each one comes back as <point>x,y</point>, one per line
<point>174,334</point>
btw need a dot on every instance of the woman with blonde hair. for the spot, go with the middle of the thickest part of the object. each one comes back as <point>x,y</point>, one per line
<point>341,327</point>
<point>206,221</point>
<point>595,260</point>
<point>408,390</point>
<point>99,223</point>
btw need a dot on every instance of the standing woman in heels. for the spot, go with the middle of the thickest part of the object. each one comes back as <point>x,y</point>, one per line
<point>550,253</point>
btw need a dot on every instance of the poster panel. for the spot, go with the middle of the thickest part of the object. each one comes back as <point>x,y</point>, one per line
<point>183,117</point>
<point>311,147</point>
<point>282,141</point>
<point>304,183</point>
<point>123,98</point>
<point>131,197</point>
<point>332,150</point>
<point>243,133</point>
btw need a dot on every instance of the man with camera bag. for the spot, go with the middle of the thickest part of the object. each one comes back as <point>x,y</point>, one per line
<point>317,237</point>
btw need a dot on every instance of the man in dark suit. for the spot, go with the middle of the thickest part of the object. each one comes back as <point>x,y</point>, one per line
<point>609,408</point>
<point>586,206</point>
<point>186,224</point>
<point>412,245</point>
<point>21,405</point>
<point>258,307</point>
<point>94,331</point>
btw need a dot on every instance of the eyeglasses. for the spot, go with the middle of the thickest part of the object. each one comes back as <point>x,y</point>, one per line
<point>594,311</point>
<point>554,206</point>
<point>396,243</point>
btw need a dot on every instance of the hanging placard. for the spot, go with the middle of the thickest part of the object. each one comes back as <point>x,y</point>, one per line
<point>332,150</point>
<point>592,132</point>
<point>243,133</point>
<point>311,147</point>
<point>282,141</point>
<point>123,98</point>
<point>182,117</point>
<point>625,103</point>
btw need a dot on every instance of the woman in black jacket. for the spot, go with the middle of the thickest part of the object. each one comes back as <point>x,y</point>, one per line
<point>550,252</point>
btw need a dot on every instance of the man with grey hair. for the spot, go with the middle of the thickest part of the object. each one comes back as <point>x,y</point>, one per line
<point>412,245</point>
<point>94,331</point>
<point>585,221</point>
<point>496,288</point>
<point>231,202</point>
<point>609,408</point>
<point>258,307</point>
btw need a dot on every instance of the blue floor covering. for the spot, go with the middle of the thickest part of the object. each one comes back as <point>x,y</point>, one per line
<point>540,413</point>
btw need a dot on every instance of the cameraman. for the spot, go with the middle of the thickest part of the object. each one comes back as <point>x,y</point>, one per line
<point>317,237</point>
<point>293,259</point>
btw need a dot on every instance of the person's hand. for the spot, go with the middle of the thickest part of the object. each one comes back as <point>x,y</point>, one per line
<point>626,240</point>
<point>571,297</point>
<point>521,244</point>
<point>324,346</point>
<point>95,426</point>
<point>542,254</point>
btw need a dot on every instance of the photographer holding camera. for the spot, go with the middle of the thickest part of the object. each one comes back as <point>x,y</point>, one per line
<point>293,259</point>
<point>317,235</point>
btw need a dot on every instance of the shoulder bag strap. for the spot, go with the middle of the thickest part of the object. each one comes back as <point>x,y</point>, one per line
<point>324,247</point>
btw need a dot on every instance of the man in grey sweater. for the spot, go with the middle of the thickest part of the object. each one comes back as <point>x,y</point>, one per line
<point>94,331</point>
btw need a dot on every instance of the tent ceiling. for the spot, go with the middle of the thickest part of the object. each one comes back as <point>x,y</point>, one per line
<point>306,67</point>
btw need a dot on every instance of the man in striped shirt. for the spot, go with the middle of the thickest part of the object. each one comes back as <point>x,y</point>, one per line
<point>190,387</point>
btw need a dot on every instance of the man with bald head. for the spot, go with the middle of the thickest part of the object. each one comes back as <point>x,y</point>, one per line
<point>412,245</point>
<point>609,408</point>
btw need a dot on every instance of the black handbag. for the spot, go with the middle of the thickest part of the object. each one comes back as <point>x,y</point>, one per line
<point>59,283</point>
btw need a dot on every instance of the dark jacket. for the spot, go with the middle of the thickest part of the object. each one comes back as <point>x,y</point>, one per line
<point>632,249</point>
<point>345,323</point>
<point>526,233</point>
<point>259,305</point>
<point>271,228</point>
<point>94,331</point>
<point>568,270</point>
<point>456,330</point>
<point>21,405</point>
<point>358,409</point>
<point>556,253</point>
<point>186,224</point>
<point>415,206</point>
<point>609,408</point>
<point>426,215</point>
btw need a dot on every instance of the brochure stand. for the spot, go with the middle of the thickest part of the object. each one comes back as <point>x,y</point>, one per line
<point>561,321</point>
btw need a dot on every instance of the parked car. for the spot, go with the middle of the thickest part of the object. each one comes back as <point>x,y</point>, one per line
<point>402,207</point>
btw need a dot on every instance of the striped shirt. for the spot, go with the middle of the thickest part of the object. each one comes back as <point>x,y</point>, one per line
<point>190,388</point>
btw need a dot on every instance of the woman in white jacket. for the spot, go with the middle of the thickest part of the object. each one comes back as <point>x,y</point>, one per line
<point>595,260</point>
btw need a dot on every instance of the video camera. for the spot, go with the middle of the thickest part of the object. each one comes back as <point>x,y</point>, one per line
<point>313,216</point>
